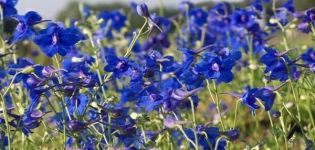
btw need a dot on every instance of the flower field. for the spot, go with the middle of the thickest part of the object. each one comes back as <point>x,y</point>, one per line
<point>216,78</point>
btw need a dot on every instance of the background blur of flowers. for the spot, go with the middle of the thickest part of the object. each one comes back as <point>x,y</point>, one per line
<point>51,9</point>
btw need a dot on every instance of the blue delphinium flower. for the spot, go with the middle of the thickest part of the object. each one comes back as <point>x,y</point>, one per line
<point>249,99</point>
<point>8,7</point>
<point>23,71</point>
<point>309,58</point>
<point>77,104</point>
<point>289,6</point>
<point>188,57</point>
<point>116,65</point>
<point>3,138</point>
<point>209,140</point>
<point>185,6</point>
<point>267,96</point>
<point>191,79</point>
<point>218,65</point>
<point>30,120</point>
<point>150,98</point>
<point>154,61</point>
<point>57,39</point>
<point>85,11</point>
<point>163,22</point>
<point>243,18</point>
<point>282,16</point>
<point>222,9</point>
<point>159,42</point>
<point>198,16</point>
<point>310,15</point>
<point>24,28</point>
<point>232,134</point>
<point>77,70</point>
<point>308,20</point>
<point>142,10</point>
<point>251,95</point>
<point>278,65</point>
<point>177,99</point>
<point>114,19</point>
<point>257,5</point>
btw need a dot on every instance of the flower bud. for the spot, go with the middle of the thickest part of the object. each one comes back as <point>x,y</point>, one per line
<point>142,10</point>
<point>276,114</point>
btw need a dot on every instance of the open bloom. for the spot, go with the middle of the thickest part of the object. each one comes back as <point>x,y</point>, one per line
<point>266,95</point>
<point>57,39</point>
<point>219,65</point>
<point>114,19</point>
<point>116,65</point>
<point>279,66</point>
<point>24,28</point>
<point>198,16</point>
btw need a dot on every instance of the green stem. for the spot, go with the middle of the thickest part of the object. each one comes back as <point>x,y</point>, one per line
<point>284,130</point>
<point>218,105</point>
<point>272,126</point>
<point>284,38</point>
<point>216,101</point>
<point>97,67</point>
<point>295,100</point>
<point>194,121</point>
<point>133,42</point>
<point>65,110</point>
<point>143,134</point>
<point>235,113</point>
<point>101,85</point>
<point>209,90</point>
<point>11,83</point>
<point>312,119</point>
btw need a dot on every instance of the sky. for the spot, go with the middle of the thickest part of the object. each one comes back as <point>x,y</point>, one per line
<point>50,8</point>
